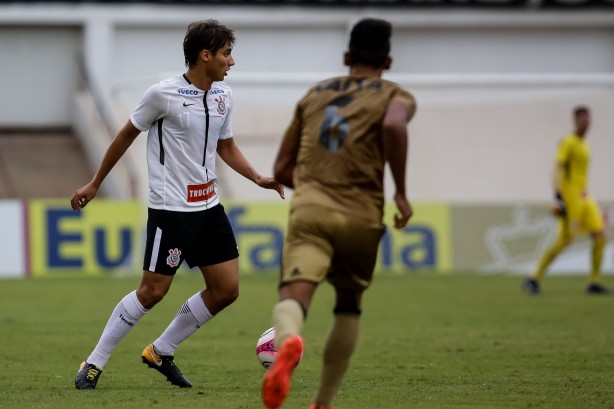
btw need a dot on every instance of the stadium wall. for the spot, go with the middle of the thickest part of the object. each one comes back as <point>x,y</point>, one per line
<point>46,238</point>
<point>495,88</point>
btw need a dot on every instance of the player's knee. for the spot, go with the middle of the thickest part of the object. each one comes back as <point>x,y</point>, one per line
<point>151,295</point>
<point>226,296</point>
<point>564,241</point>
<point>348,302</point>
<point>599,238</point>
<point>347,309</point>
<point>231,296</point>
<point>347,305</point>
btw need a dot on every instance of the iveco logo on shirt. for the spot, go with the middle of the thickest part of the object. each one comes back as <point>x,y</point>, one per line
<point>187,92</point>
<point>216,91</point>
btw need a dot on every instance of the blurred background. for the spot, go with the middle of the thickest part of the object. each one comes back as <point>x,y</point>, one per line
<point>496,82</point>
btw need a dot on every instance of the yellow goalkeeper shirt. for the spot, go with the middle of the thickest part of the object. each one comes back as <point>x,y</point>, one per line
<point>573,155</point>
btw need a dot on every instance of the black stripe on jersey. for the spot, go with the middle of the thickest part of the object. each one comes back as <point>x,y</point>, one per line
<point>206,130</point>
<point>186,78</point>
<point>160,140</point>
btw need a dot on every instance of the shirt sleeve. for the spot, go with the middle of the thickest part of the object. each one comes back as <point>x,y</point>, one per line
<point>406,99</point>
<point>295,128</point>
<point>563,151</point>
<point>151,108</point>
<point>226,130</point>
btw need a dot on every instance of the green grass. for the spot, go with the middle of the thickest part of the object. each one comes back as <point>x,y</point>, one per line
<point>427,341</point>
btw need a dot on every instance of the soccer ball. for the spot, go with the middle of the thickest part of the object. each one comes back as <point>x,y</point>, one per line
<point>265,348</point>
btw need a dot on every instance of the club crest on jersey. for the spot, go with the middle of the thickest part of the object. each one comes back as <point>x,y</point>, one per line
<point>221,104</point>
<point>173,258</point>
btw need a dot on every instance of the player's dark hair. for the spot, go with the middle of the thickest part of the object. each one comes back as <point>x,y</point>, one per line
<point>579,110</point>
<point>370,42</point>
<point>205,35</point>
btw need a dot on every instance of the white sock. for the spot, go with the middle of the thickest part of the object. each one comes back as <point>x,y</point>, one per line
<point>124,317</point>
<point>191,316</point>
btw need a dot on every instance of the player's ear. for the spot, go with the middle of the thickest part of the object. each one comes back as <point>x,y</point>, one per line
<point>388,63</point>
<point>346,58</point>
<point>205,55</point>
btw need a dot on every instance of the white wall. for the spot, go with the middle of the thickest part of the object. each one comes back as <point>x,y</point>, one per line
<point>38,67</point>
<point>13,239</point>
<point>495,89</point>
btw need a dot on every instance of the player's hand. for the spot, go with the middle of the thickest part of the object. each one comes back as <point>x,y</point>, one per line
<point>405,211</point>
<point>270,183</point>
<point>558,207</point>
<point>83,196</point>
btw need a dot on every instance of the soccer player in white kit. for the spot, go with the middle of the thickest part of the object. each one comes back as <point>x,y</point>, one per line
<point>188,122</point>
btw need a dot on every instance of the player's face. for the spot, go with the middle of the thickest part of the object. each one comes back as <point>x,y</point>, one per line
<point>583,121</point>
<point>221,62</point>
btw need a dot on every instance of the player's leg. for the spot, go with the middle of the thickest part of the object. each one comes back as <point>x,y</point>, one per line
<point>288,317</point>
<point>222,288</point>
<point>290,312</point>
<point>595,286</point>
<point>351,273</point>
<point>339,346</point>
<point>594,223</point>
<point>306,259</point>
<point>214,249</point>
<point>124,317</point>
<point>563,239</point>
<point>153,287</point>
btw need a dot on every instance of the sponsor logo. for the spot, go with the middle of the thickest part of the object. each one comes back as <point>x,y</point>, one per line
<point>154,356</point>
<point>187,105</point>
<point>124,320</point>
<point>174,257</point>
<point>216,91</point>
<point>221,105</point>
<point>199,193</point>
<point>187,92</point>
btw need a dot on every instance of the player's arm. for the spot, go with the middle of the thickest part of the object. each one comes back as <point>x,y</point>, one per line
<point>395,153</point>
<point>558,175</point>
<point>559,208</point>
<point>283,169</point>
<point>233,157</point>
<point>286,161</point>
<point>115,151</point>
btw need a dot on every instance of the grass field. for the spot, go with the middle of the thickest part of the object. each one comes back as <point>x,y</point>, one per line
<point>427,341</point>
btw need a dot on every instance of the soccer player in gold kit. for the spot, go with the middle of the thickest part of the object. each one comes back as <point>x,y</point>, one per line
<point>333,155</point>
<point>578,213</point>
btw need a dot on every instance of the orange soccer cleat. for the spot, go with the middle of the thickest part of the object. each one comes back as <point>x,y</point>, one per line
<point>276,385</point>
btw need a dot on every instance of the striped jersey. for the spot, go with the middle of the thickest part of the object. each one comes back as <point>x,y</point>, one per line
<point>184,125</point>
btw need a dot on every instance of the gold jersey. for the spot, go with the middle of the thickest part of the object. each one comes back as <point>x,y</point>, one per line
<point>340,162</point>
<point>573,155</point>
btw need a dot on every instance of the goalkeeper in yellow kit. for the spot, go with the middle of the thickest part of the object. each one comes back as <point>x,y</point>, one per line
<point>578,213</point>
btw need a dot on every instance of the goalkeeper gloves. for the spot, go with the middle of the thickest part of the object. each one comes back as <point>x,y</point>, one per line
<point>559,209</point>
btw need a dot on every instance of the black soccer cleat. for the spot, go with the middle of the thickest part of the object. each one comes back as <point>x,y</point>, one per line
<point>597,289</point>
<point>530,286</point>
<point>165,365</point>
<point>87,376</point>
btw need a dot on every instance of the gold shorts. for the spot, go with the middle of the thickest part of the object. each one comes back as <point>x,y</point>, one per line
<point>322,243</point>
<point>583,216</point>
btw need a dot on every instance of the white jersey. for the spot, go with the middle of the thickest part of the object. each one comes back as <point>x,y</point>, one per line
<point>184,124</point>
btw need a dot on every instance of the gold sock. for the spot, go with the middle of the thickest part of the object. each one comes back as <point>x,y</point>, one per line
<point>596,257</point>
<point>337,353</point>
<point>548,257</point>
<point>288,318</point>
